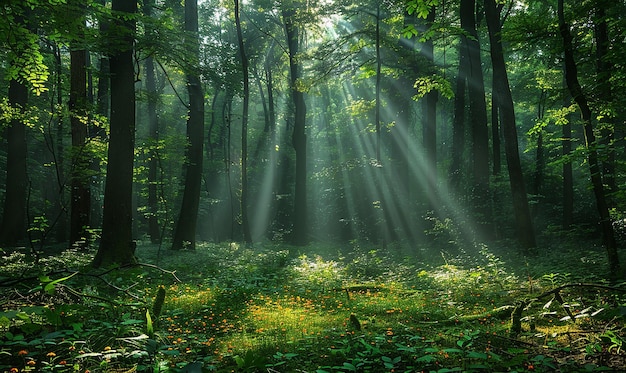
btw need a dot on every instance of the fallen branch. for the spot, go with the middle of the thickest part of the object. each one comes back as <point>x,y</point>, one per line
<point>556,290</point>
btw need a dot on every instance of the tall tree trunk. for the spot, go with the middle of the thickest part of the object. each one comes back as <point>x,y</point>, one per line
<point>571,77</point>
<point>478,122</point>
<point>103,108</point>
<point>80,192</point>
<point>430,118</point>
<point>270,88</point>
<point>245,225</point>
<point>154,231</point>
<point>495,136</point>
<point>60,209</point>
<point>540,159</point>
<point>185,233</point>
<point>605,90</point>
<point>458,124</point>
<point>116,245</point>
<point>298,139</point>
<point>568,175</point>
<point>13,226</point>
<point>524,227</point>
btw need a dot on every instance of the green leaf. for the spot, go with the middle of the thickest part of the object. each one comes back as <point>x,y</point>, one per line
<point>149,326</point>
<point>50,287</point>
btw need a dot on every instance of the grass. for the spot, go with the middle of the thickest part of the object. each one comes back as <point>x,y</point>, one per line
<point>277,308</point>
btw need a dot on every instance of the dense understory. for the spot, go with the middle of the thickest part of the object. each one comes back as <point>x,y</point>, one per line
<point>323,308</point>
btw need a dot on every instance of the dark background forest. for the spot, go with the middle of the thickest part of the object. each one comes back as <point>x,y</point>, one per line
<point>292,121</point>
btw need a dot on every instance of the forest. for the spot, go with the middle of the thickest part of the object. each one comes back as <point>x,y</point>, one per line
<point>312,186</point>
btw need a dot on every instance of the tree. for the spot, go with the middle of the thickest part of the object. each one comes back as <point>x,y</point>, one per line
<point>245,225</point>
<point>185,233</point>
<point>80,193</point>
<point>429,128</point>
<point>154,230</point>
<point>478,117</point>
<point>116,245</point>
<point>524,227</point>
<point>571,78</point>
<point>604,67</point>
<point>298,139</point>
<point>13,226</point>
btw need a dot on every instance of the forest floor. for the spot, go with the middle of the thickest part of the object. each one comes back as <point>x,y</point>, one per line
<point>322,308</point>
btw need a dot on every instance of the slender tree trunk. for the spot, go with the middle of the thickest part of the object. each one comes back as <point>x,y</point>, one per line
<point>245,225</point>
<point>571,77</point>
<point>185,233</point>
<point>605,90</point>
<point>116,245</point>
<point>568,176</point>
<point>495,136</point>
<point>525,231</point>
<point>13,226</point>
<point>103,108</point>
<point>80,192</point>
<point>430,118</point>
<point>298,139</point>
<point>154,230</point>
<point>270,89</point>
<point>458,124</point>
<point>59,149</point>
<point>540,159</point>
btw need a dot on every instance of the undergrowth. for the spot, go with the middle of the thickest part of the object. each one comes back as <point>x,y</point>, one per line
<point>275,308</point>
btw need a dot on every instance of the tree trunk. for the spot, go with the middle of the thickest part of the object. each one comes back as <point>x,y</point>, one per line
<point>458,124</point>
<point>245,225</point>
<point>60,210</point>
<point>571,77</point>
<point>80,192</point>
<point>478,123</point>
<point>524,227</point>
<point>429,128</point>
<point>568,176</point>
<point>605,91</point>
<point>154,230</point>
<point>185,234</point>
<point>495,136</point>
<point>540,159</point>
<point>298,139</point>
<point>13,227</point>
<point>116,245</point>
<point>103,108</point>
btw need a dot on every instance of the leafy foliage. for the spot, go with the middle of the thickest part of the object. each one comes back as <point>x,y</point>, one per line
<point>284,308</point>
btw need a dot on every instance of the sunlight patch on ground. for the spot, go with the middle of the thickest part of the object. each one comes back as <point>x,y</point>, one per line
<point>188,299</point>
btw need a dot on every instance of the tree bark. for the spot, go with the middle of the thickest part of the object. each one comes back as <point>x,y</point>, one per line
<point>154,230</point>
<point>80,192</point>
<point>605,90</point>
<point>103,108</point>
<point>245,225</point>
<point>430,113</point>
<point>116,245</point>
<point>478,122</point>
<point>571,77</point>
<point>458,124</point>
<point>298,139</point>
<point>568,175</point>
<point>185,233</point>
<point>13,227</point>
<point>524,227</point>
